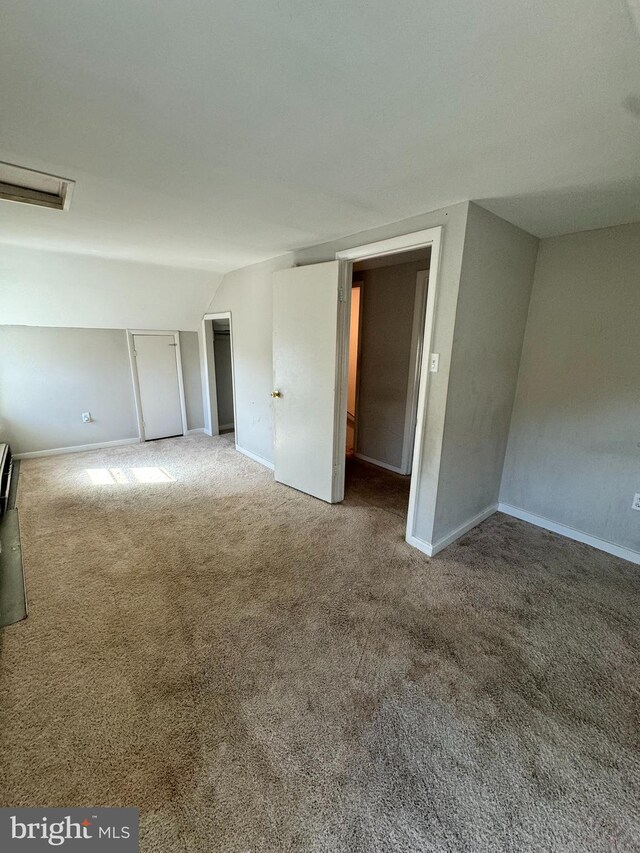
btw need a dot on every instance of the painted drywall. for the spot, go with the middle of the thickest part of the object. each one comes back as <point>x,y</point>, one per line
<point>49,376</point>
<point>44,288</point>
<point>71,292</point>
<point>573,454</point>
<point>190,356</point>
<point>226,132</point>
<point>388,298</point>
<point>495,287</point>
<point>224,382</point>
<point>247,294</point>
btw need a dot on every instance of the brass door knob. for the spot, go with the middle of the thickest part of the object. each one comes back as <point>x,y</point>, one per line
<point>276,394</point>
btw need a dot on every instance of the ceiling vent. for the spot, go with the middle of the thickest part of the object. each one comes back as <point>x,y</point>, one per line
<point>30,187</point>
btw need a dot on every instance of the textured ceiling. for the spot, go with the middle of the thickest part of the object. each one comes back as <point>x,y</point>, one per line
<point>215,134</point>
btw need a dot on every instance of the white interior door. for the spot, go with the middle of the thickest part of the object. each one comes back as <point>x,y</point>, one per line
<point>305,316</point>
<point>157,368</point>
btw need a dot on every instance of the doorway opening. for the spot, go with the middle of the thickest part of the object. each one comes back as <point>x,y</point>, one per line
<point>221,343</point>
<point>219,374</point>
<point>311,326</point>
<point>386,326</point>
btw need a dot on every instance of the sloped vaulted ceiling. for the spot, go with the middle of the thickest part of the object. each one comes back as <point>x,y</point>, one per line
<point>213,135</point>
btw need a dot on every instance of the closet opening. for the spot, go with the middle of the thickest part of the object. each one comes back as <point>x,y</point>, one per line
<point>219,374</point>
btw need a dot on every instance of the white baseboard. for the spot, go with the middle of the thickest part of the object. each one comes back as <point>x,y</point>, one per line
<point>432,548</point>
<point>571,533</point>
<point>200,431</point>
<point>378,463</point>
<point>255,457</point>
<point>78,448</point>
<point>421,545</point>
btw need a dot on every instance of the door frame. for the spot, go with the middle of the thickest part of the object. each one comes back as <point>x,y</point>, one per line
<point>427,238</point>
<point>415,360</point>
<point>210,392</point>
<point>136,382</point>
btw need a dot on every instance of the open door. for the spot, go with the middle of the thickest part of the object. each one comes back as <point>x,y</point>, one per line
<point>305,322</point>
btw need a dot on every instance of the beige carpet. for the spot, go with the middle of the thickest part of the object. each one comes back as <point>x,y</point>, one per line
<point>259,671</point>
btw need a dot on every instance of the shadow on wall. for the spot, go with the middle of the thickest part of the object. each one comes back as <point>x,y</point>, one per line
<point>573,455</point>
<point>545,213</point>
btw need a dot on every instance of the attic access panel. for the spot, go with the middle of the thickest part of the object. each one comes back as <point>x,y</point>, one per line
<point>28,186</point>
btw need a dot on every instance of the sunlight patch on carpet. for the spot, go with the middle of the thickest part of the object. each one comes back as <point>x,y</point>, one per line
<point>118,476</point>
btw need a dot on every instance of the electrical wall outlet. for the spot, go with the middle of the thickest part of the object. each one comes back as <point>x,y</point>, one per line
<point>434,362</point>
<point>86,417</point>
<point>636,501</point>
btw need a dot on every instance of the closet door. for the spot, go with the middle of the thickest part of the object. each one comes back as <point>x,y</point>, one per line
<point>157,368</point>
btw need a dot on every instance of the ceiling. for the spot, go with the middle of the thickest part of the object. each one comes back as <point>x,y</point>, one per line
<point>216,134</point>
<point>384,261</point>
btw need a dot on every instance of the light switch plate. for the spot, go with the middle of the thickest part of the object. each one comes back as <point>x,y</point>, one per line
<point>434,362</point>
<point>86,417</point>
<point>636,501</point>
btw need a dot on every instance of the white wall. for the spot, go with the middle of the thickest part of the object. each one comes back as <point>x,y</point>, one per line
<point>495,287</point>
<point>573,454</point>
<point>388,298</point>
<point>43,288</point>
<point>49,376</point>
<point>51,370</point>
<point>247,293</point>
<point>190,358</point>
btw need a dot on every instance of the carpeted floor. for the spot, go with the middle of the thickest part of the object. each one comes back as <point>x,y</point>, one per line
<point>259,671</point>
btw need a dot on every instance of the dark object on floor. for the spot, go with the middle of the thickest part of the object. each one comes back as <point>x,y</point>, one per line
<point>13,488</point>
<point>13,598</point>
<point>6,471</point>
